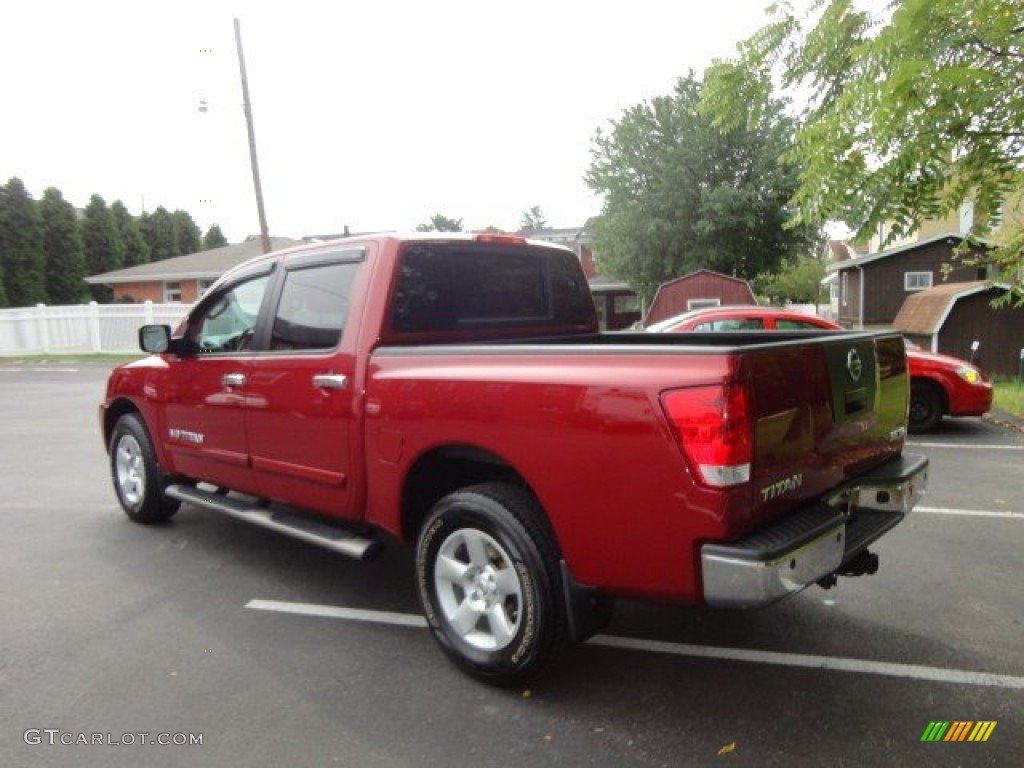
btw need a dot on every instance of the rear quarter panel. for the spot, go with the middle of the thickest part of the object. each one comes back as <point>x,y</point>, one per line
<point>585,431</point>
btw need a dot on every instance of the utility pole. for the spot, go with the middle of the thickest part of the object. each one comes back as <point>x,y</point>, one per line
<point>247,107</point>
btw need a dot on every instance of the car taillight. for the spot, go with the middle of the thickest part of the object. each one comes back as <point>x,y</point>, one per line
<point>714,427</point>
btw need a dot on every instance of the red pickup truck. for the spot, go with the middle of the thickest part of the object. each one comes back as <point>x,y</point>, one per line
<point>454,392</point>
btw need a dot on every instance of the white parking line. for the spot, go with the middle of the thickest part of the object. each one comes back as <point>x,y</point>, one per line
<point>5,369</point>
<point>833,663</point>
<point>961,446</point>
<point>968,512</point>
<point>339,612</point>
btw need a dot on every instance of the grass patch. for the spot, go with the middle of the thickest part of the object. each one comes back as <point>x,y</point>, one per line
<point>1009,396</point>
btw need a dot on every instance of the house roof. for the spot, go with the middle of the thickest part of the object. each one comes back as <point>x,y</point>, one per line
<point>561,235</point>
<point>602,283</point>
<point>925,312</point>
<point>699,272</point>
<point>205,265</point>
<point>860,261</point>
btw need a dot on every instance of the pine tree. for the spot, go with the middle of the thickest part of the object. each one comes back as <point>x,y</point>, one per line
<point>103,249</point>
<point>21,246</point>
<point>187,234</point>
<point>136,251</point>
<point>63,249</point>
<point>214,238</point>
<point>158,232</point>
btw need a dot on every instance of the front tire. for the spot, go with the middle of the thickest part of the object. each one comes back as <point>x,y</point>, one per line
<point>925,407</point>
<point>136,474</point>
<point>487,573</point>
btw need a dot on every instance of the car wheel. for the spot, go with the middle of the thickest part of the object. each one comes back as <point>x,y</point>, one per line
<point>487,573</point>
<point>135,473</point>
<point>925,407</point>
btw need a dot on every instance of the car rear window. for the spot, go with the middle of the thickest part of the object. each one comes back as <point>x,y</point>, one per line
<point>450,287</point>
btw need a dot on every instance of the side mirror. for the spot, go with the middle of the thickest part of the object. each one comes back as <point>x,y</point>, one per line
<point>155,339</point>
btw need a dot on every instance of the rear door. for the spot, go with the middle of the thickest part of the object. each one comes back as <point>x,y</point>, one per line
<point>303,391</point>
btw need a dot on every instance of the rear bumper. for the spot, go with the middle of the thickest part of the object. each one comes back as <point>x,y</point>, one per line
<point>814,541</point>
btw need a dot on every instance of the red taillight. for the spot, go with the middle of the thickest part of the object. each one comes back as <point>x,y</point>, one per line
<point>714,427</point>
<point>493,237</point>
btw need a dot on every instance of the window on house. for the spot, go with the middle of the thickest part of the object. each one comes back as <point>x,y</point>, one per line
<point>692,304</point>
<point>917,281</point>
<point>172,293</point>
<point>204,286</point>
<point>995,221</point>
<point>627,303</point>
<point>844,288</point>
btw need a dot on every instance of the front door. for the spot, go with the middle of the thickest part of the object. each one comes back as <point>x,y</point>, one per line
<point>206,391</point>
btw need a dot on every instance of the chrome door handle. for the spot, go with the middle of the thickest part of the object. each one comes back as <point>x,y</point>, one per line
<point>231,380</point>
<point>330,381</point>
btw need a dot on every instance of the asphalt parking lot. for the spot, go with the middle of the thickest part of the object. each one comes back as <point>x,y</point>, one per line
<point>275,653</point>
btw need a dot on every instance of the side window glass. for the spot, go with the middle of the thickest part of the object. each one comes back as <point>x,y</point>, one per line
<point>739,324</point>
<point>227,324</point>
<point>313,307</point>
<point>795,325</point>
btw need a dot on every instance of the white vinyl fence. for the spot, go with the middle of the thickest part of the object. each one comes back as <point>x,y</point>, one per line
<point>81,329</point>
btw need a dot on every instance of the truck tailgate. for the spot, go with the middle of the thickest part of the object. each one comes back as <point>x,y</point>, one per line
<point>823,413</point>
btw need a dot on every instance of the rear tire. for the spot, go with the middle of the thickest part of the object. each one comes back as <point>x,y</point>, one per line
<point>488,579</point>
<point>926,407</point>
<point>136,474</point>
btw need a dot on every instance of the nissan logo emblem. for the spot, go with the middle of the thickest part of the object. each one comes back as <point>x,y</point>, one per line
<point>854,365</point>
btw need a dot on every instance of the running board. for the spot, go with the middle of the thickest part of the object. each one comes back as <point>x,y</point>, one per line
<point>281,519</point>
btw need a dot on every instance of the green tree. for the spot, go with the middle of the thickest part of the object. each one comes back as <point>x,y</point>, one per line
<point>63,250</point>
<point>440,223</point>
<point>798,281</point>
<point>214,238</point>
<point>533,220</point>
<point>910,112</point>
<point>158,232</point>
<point>187,235</point>
<point>680,194</point>
<point>104,251</point>
<point>136,251</point>
<point>21,246</point>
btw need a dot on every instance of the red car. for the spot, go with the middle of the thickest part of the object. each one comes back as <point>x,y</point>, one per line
<point>940,385</point>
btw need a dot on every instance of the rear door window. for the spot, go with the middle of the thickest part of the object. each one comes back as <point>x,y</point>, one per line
<point>313,307</point>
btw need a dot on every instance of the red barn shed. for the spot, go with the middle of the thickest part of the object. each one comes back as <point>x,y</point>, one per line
<point>702,288</point>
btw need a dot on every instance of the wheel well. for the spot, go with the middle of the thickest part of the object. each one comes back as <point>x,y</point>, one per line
<point>930,384</point>
<point>116,410</point>
<point>443,470</point>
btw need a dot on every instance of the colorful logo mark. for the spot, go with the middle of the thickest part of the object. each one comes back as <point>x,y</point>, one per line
<point>959,730</point>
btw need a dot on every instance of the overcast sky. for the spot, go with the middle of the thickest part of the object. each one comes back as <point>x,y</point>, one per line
<point>375,114</point>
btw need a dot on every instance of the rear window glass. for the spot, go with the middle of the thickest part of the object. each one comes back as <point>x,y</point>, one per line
<point>444,287</point>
